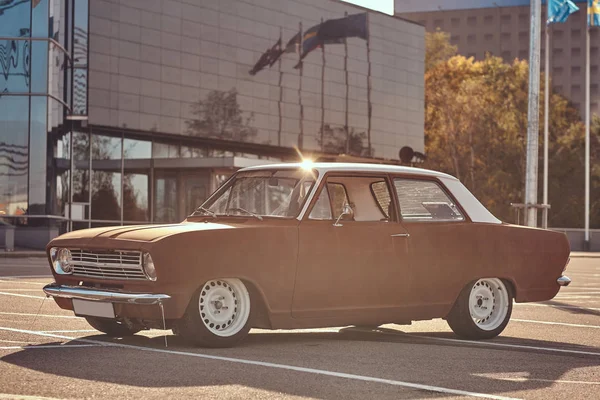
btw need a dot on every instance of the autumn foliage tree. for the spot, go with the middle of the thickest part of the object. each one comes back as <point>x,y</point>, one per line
<point>476,127</point>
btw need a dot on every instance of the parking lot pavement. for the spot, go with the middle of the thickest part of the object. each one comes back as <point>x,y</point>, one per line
<point>548,350</point>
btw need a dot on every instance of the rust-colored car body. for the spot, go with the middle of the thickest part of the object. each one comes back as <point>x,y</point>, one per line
<point>309,273</point>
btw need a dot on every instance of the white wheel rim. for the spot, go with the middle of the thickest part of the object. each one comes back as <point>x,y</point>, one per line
<point>488,303</point>
<point>224,306</point>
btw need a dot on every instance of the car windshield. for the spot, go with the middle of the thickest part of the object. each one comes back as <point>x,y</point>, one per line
<point>270,193</point>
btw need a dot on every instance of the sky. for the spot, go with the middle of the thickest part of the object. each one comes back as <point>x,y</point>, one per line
<point>403,6</point>
<point>385,6</point>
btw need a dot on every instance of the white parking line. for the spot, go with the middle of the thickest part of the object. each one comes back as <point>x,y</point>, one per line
<point>22,290</point>
<point>7,396</point>
<point>47,346</point>
<point>38,315</point>
<point>514,346</point>
<point>22,295</point>
<point>555,323</point>
<point>72,331</point>
<point>556,306</point>
<point>21,282</point>
<point>323,372</point>
<point>15,277</point>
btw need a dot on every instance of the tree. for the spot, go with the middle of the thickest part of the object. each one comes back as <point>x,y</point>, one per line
<point>438,48</point>
<point>475,129</point>
<point>220,115</point>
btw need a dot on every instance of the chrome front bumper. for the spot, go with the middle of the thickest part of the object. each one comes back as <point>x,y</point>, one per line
<point>108,296</point>
<point>563,280</point>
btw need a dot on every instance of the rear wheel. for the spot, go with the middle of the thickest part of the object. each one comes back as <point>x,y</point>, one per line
<point>482,309</point>
<point>112,327</point>
<point>218,314</point>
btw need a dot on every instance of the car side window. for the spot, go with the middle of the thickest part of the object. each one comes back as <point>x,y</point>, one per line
<point>339,197</point>
<point>423,200</point>
<point>322,207</point>
<point>382,197</point>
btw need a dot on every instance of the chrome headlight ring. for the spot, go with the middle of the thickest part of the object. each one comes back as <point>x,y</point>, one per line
<point>62,260</point>
<point>148,266</point>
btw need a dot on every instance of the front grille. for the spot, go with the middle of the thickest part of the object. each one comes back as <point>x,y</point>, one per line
<point>125,265</point>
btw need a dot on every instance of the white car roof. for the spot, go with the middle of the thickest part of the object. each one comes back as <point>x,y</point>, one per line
<point>354,167</point>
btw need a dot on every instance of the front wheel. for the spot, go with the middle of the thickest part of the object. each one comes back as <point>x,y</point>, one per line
<point>218,314</point>
<point>482,309</point>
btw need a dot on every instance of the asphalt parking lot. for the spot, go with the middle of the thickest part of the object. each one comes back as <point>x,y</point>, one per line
<point>549,350</point>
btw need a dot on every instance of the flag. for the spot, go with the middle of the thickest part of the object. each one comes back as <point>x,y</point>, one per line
<point>268,58</point>
<point>559,10</point>
<point>351,26</point>
<point>333,31</point>
<point>593,13</point>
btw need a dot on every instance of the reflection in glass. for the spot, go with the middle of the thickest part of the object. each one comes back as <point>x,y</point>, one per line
<point>37,156</point>
<point>81,185</point>
<point>81,147</point>
<point>106,147</point>
<point>165,199</point>
<point>62,193</point>
<point>193,152</point>
<point>14,129</point>
<point>15,60</point>
<point>80,91</point>
<point>106,195</point>
<point>163,150</point>
<point>135,197</point>
<point>136,149</point>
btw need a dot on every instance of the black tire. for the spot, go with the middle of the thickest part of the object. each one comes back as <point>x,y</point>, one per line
<point>461,322</point>
<point>194,331</point>
<point>112,327</point>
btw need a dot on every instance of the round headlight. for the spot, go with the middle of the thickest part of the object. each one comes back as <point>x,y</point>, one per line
<point>149,268</point>
<point>62,261</point>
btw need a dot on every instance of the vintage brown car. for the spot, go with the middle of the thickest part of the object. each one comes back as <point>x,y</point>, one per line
<point>311,245</point>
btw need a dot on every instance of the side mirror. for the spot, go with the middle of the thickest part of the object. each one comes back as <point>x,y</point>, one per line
<point>346,210</point>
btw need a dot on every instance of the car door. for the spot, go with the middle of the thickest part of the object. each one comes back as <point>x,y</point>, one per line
<point>354,268</point>
<point>438,242</point>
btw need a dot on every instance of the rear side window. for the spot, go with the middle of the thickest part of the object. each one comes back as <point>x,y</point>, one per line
<point>382,197</point>
<point>422,200</point>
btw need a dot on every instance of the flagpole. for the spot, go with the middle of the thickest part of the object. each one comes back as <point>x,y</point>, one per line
<point>346,109</point>
<point>587,137</point>
<point>322,95</point>
<point>301,135</point>
<point>546,118</point>
<point>531,172</point>
<point>369,108</point>
<point>280,90</point>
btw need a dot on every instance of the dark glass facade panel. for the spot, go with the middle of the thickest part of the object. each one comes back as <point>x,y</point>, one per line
<point>80,76</point>
<point>193,152</point>
<point>136,149</point>
<point>163,150</point>
<point>135,197</point>
<point>38,144</point>
<point>14,154</point>
<point>15,16</point>
<point>81,147</point>
<point>165,199</point>
<point>106,195</point>
<point>106,147</point>
<point>81,185</point>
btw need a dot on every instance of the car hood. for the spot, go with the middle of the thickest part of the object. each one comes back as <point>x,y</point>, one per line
<point>145,233</point>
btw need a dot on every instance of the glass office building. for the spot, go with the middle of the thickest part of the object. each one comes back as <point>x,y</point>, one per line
<point>133,111</point>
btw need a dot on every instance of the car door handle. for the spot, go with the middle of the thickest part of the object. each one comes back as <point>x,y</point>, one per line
<point>401,235</point>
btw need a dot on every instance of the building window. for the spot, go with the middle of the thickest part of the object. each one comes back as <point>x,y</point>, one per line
<point>506,56</point>
<point>557,71</point>
<point>438,23</point>
<point>488,19</point>
<point>472,21</point>
<point>505,19</point>
<point>576,33</point>
<point>471,39</point>
<point>455,22</point>
<point>524,55</point>
<point>523,18</point>
<point>488,37</point>
<point>575,71</point>
<point>575,89</point>
<point>575,52</point>
<point>454,39</point>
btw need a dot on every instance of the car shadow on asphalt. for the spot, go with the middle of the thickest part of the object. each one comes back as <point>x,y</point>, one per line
<point>574,309</point>
<point>425,360</point>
